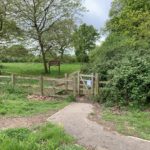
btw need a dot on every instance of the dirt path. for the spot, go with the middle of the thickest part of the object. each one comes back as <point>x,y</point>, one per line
<point>20,122</point>
<point>75,120</point>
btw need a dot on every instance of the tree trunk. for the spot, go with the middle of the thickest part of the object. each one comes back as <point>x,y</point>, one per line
<point>62,54</point>
<point>44,62</point>
<point>43,55</point>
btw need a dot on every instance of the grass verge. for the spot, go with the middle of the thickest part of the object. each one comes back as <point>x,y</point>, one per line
<point>131,122</point>
<point>46,137</point>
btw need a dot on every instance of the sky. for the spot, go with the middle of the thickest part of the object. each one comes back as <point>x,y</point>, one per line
<point>98,12</point>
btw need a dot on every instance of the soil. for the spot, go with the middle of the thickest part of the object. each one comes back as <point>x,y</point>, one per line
<point>19,122</point>
<point>96,117</point>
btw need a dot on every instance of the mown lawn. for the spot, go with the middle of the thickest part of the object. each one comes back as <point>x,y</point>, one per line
<point>46,137</point>
<point>14,102</point>
<point>36,69</point>
<point>130,122</point>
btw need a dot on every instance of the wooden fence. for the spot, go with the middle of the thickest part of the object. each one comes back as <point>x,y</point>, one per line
<point>76,84</point>
<point>41,85</point>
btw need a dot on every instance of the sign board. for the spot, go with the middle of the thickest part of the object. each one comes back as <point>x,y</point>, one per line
<point>89,83</point>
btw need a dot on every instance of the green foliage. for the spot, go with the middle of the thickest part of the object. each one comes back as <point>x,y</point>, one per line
<point>130,17</point>
<point>40,138</point>
<point>129,81</point>
<point>123,58</point>
<point>8,27</point>
<point>15,53</point>
<point>69,59</point>
<point>84,40</point>
<point>43,19</point>
<point>61,36</point>
<point>132,79</point>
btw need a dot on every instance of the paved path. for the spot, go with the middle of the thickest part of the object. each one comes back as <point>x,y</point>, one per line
<point>90,134</point>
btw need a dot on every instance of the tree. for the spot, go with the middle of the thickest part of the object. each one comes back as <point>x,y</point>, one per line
<point>131,18</point>
<point>61,35</point>
<point>8,27</point>
<point>38,17</point>
<point>123,58</point>
<point>84,40</point>
<point>14,53</point>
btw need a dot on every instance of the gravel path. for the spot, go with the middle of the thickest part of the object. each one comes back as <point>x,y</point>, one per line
<point>90,134</point>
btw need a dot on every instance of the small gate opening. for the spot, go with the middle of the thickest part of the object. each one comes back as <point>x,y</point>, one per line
<point>87,85</point>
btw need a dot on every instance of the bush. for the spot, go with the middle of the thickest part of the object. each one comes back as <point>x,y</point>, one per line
<point>127,68</point>
<point>132,78</point>
<point>130,81</point>
<point>69,59</point>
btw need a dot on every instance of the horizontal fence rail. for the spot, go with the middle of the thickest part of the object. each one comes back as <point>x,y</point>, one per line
<point>75,83</point>
<point>42,85</point>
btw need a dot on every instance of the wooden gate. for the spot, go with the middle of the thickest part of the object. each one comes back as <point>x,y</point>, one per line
<point>87,85</point>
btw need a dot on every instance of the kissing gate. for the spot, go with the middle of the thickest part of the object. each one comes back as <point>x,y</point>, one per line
<point>87,85</point>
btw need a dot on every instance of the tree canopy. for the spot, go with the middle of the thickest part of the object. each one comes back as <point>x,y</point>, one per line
<point>8,27</point>
<point>123,58</point>
<point>84,40</point>
<point>38,17</point>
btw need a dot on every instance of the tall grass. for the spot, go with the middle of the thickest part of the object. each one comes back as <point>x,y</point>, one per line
<point>46,137</point>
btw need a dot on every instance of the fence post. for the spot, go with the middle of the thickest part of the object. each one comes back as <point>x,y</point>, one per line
<point>13,80</point>
<point>54,87</point>
<point>78,83</point>
<point>93,84</point>
<point>41,85</point>
<point>66,82</point>
<point>75,85</point>
<point>96,84</point>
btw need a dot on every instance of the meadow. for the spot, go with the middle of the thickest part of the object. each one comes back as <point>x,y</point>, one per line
<point>36,69</point>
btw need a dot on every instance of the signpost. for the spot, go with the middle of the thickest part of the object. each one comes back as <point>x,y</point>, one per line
<point>54,63</point>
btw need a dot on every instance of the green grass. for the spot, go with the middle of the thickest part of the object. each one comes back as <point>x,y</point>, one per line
<point>131,122</point>
<point>46,137</point>
<point>36,69</point>
<point>14,102</point>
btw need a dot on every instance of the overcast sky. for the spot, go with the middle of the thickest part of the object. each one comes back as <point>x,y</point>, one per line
<point>98,12</point>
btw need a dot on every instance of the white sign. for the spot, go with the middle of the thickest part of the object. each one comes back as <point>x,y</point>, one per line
<point>89,83</point>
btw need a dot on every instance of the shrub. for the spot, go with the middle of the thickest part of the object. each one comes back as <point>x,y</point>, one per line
<point>130,81</point>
